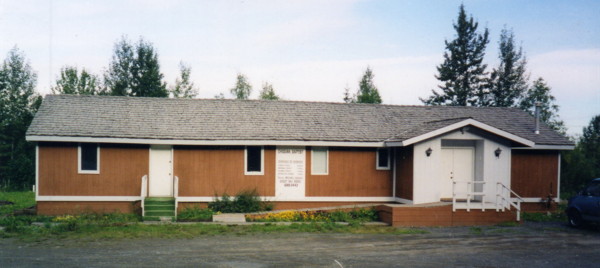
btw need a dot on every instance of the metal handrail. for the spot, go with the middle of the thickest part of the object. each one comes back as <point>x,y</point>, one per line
<point>144,191</point>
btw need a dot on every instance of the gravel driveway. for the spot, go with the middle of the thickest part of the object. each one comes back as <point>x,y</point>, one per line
<point>529,245</point>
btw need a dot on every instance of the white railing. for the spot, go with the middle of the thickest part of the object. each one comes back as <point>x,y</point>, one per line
<point>470,192</point>
<point>144,191</point>
<point>175,192</point>
<point>504,201</point>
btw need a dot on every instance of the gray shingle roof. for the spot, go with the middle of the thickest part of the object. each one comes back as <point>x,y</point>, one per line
<point>212,119</point>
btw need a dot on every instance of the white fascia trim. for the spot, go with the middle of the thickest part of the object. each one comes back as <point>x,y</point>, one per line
<point>204,142</point>
<point>298,199</point>
<point>532,199</point>
<point>87,198</point>
<point>458,125</point>
<point>546,147</point>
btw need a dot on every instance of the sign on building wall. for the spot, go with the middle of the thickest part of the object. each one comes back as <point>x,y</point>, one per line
<point>290,172</point>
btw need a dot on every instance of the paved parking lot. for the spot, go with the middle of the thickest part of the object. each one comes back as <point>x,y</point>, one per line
<point>530,245</point>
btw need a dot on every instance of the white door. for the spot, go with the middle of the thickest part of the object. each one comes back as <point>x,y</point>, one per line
<point>161,171</point>
<point>457,164</point>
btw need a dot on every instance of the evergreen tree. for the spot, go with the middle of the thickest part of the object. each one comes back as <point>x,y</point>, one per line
<point>583,163</point>
<point>509,80</point>
<point>18,104</point>
<point>184,87</point>
<point>71,81</point>
<point>347,97</point>
<point>135,71</point>
<point>462,72</point>
<point>268,93</point>
<point>540,93</point>
<point>367,92</point>
<point>242,88</point>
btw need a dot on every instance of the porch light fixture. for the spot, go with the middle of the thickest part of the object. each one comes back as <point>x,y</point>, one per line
<point>428,152</point>
<point>497,152</point>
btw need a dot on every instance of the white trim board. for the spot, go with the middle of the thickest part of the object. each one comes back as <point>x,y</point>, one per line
<point>546,147</point>
<point>204,142</point>
<point>458,125</point>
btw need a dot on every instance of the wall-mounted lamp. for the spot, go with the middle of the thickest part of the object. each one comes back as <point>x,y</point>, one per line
<point>428,152</point>
<point>497,152</point>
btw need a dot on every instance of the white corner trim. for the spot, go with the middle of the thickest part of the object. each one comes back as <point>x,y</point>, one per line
<point>71,198</point>
<point>204,142</point>
<point>262,162</point>
<point>79,170</point>
<point>458,125</point>
<point>37,171</point>
<point>312,161</point>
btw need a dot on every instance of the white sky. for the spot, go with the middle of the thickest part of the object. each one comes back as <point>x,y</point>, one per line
<point>312,50</point>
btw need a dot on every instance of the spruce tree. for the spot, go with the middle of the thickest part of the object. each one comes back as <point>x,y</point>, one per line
<point>135,71</point>
<point>509,81</point>
<point>462,73</point>
<point>540,93</point>
<point>367,92</point>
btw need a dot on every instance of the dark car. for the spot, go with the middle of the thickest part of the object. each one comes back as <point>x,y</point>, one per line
<point>585,206</point>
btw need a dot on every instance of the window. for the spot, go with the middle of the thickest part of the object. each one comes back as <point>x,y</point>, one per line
<point>89,158</point>
<point>383,159</point>
<point>254,160</point>
<point>319,161</point>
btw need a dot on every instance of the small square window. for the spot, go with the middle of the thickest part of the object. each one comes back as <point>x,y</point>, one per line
<point>89,158</point>
<point>319,161</point>
<point>254,160</point>
<point>383,159</point>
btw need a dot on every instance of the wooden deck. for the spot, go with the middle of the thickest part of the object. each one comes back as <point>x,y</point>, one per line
<point>440,214</point>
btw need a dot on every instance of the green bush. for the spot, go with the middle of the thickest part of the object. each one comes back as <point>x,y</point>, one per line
<point>195,214</point>
<point>244,202</point>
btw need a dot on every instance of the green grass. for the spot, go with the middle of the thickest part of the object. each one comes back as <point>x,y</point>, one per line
<point>195,214</point>
<point>21,200</point>
<point>544,216</point>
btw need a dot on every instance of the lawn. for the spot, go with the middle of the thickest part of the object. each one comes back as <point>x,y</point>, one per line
<point>21,200</point>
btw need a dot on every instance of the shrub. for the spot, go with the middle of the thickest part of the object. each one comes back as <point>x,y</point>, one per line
<point>244,202</point>
<point>195,214</point>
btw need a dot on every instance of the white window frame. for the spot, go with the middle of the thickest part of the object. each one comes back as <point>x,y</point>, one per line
<point>312,160</point>
<point>377,167</point>
<point>262,161</point>
<point>79,170</point>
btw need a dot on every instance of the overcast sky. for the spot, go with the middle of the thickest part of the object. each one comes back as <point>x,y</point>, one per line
<point>312,50</point>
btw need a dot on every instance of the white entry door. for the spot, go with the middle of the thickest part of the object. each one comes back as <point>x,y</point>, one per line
<point>457,164</point>
<point>161,171</point>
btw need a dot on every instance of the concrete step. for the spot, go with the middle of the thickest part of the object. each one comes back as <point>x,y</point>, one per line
<point>170,213</point>
<point>159,207</point>
<point>229,217</point>
<point>159,218</point>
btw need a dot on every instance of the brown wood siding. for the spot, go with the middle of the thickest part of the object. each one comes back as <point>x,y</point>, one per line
<point>441,215</point>
<point>210,171</point>
<point>351,173</point>
<point>534,173</point>
<point>62,208</point>
<point>404,172</point>
<point>121,170</point>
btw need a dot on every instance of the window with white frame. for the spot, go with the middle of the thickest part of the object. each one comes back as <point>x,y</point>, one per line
<point>254,160</point>
<point>319,161</point>
<point>383,158</point>
<point>89,158</point>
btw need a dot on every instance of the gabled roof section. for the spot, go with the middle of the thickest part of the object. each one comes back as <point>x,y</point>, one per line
<point>435,128</point>
<point>230,122</point>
